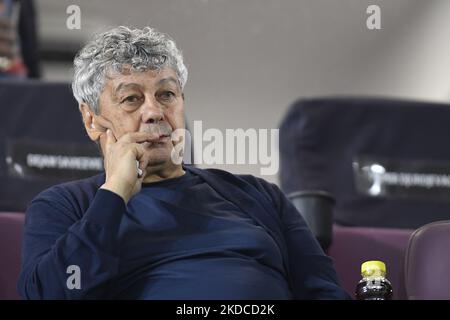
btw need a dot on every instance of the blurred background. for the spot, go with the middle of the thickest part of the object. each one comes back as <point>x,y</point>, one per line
<point>249,60</point>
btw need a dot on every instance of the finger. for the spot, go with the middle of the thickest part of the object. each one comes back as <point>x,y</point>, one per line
<point>137,137</point>
<point>142,163</point>
<point>139,152</point>
<point>141,175</point>
<point>140,172</point>
<point>110,140</point>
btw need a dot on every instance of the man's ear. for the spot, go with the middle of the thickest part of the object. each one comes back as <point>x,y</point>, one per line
<point>88,120</point>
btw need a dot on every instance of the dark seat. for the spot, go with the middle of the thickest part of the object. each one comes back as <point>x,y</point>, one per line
<point>427,262</point>
<point>42,140</point>
<point>386,162</point>
<point>11,227</point>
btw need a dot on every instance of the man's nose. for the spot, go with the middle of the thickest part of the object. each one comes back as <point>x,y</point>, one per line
<point>152,112</point>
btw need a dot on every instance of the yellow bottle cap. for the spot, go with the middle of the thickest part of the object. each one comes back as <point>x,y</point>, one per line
<point>369,268</point>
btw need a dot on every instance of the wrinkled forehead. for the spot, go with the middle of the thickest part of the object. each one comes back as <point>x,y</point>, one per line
<point>115,79</point>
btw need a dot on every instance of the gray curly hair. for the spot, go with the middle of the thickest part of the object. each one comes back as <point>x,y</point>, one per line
<point>140,49</point>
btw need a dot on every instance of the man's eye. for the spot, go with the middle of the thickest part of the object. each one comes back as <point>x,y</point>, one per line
<point>167,95</point>
<point>131,99</point>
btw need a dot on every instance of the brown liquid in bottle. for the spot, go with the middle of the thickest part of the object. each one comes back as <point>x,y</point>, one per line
<point>373,285</point>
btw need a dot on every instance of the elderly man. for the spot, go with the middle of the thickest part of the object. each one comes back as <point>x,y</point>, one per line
<point>150,227</point>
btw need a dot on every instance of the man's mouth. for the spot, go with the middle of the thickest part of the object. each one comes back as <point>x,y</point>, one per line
<point>162,136</point>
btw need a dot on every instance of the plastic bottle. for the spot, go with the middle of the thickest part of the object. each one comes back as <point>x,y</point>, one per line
<point>374,285</point>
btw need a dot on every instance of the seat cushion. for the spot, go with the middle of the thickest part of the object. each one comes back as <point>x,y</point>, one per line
<point>427,262</point>
<point>11,227</point>
<point>352,246</point>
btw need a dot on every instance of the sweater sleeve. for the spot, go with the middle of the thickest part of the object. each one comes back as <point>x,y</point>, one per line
<point>58,246</point>
<point>311,271</point>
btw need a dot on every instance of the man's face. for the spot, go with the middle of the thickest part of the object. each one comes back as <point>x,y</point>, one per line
<point>149,101</point>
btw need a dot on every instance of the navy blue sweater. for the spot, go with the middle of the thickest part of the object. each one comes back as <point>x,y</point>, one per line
<point>208,234</point>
